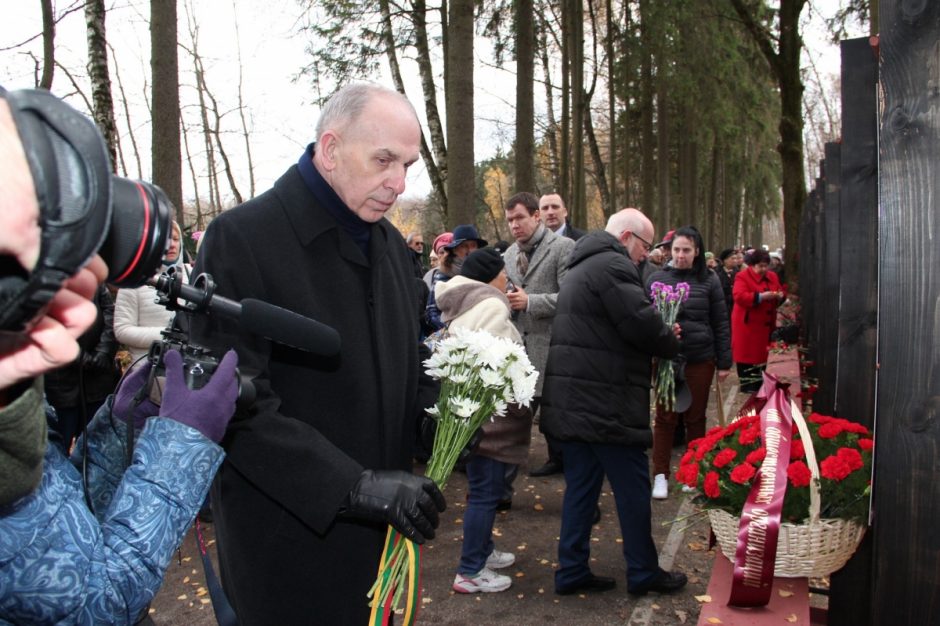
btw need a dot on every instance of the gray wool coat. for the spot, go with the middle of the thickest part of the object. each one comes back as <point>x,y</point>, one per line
<point>547,269</point>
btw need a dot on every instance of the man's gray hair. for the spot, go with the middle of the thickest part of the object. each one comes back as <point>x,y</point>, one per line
<point>411,237</point>
<point>626,219</point>
<point>347,104</point>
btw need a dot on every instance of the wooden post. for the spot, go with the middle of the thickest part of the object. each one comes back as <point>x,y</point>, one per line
<point>827,299</point>
<point>850,591</point>
<point>906,505</point>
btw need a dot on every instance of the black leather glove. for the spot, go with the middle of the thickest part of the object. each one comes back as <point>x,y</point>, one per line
<point>99,361</point>
<point>427,430</point>
<point>409,503</point>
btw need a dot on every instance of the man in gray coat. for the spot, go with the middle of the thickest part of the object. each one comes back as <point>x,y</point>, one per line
<point>536,264</point>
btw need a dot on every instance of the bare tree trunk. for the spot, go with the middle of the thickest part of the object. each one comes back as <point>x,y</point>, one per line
<point>192,173</point>
<point>525,106</point>
<point>611,109</point>
<point>579,107</point>
<point>166,159</point>
<point>662,155</point>
<point>103,111</point>
<point>217,134</point>
<point>127,119</point>
<point>599,167</point>
<point>553,157</point>
<point>246,135</point>
<point>48,45</point>
<point>648,182</point>
<point>436,166</point>
<point>564,150</point>
<point>461,179</point>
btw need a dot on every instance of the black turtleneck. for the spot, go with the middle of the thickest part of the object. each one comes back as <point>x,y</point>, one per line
<point>359,230</point>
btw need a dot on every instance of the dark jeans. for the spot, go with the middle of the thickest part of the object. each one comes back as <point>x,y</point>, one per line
<point>698,377</point>
<point>627,469</point>
<point>486,480</point>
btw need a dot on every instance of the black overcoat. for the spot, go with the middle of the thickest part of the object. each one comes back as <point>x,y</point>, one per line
<point>318,422</point>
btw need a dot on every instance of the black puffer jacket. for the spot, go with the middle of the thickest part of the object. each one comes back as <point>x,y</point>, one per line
<point>597,381</point>
<point>706,334</point>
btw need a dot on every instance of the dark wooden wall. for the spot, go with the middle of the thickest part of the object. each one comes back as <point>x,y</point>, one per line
<point>858,293</point>
<point>906,504</point>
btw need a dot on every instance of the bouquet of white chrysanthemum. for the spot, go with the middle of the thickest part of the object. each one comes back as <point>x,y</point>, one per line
<point>480,375</point>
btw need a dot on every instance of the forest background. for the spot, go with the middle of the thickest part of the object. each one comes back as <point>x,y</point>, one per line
<point>709,112</point>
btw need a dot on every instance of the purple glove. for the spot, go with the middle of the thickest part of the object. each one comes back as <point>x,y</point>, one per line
<point>209,409</point>
<point>124,397</point>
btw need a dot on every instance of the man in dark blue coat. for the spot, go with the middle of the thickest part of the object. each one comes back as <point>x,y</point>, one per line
<point>597,401</point>
<point>320,465</point>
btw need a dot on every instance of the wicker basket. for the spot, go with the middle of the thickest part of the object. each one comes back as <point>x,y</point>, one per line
<point>814,548</point>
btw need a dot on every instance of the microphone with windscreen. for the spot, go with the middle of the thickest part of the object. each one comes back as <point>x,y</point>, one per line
<point>254,316</point>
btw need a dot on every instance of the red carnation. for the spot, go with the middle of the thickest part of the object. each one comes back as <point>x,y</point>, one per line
<point>705,447</point>
<point>818,418</point>
<point>724,457</point>
<point>796,449</point>
<point>688,474</point>
<point>749,435</point>
<point>687,456</point>
<point>743,473</point>
<point>866,444</point>
<point>799,474</point>
<point>852,458</point>
<point>756,456</point>
<point>834,468</point>
<point>711,485</point>
<point>831,430</point>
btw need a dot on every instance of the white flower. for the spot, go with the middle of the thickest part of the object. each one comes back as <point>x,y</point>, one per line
<point>500,408</point>
<point>491,378</point>
<point>433,411</point>
<point>459,377</point>
<point>465,407</point>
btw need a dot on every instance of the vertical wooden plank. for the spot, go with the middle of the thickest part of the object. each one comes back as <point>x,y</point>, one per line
<point>850,591</point>
<point>828,293</point>
<point>906,571</point>
<point>807,268</point>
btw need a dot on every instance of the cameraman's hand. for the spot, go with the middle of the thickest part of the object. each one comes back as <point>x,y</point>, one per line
<point>52,341</point>
<point>124,398</point>
<point>408,503</point>
<point>209,409</point>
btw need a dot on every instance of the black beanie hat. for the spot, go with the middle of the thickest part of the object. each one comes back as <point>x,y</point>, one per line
<point>482,265</point>
<point>726,253</point>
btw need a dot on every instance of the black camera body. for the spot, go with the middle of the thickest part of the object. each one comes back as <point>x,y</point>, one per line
<point>198,364</point>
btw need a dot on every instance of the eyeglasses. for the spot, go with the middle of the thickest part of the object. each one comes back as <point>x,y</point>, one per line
<point>647,245</point>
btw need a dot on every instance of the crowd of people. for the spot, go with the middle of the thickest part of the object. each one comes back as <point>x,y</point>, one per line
<point>320,463</point>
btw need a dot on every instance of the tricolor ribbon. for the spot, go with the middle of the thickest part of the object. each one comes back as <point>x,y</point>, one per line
<point>756,551</point>
<point>385,595</point>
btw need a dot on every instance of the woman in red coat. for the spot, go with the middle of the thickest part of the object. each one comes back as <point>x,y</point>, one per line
<point>757,294</point>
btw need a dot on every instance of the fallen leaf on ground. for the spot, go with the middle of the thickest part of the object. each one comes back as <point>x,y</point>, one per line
<point>682,615</point>
<point>704,598</point>
<point>784,593</point>
<point>791,618</point>
<point>521,596</point>
<point>713,620</point>
<point>538,507</point>
<point>520,574</point>
<point>182,597</point>
<point>185,579</point>
<point>656,607</point>
<point>696,546</point>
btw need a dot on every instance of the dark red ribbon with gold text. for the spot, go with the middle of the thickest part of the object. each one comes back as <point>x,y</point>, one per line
<point>760,521</point>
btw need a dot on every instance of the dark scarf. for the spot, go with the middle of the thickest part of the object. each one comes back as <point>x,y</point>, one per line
<point>359,230</point>
<point>527,249</point>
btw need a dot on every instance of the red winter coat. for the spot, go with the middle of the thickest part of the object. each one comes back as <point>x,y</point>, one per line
<point>752,323</point>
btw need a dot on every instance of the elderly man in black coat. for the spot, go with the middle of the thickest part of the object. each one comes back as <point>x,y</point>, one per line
<point>597,401</point>
<point>320,464</point>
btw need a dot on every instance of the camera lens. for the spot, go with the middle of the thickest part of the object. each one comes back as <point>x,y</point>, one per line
<point>137,236</point>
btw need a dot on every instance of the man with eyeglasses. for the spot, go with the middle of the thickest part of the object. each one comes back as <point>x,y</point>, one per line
<point>596,402</point>
<point>415,241</point>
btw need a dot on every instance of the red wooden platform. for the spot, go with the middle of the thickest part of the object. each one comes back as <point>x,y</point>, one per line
<point>789,602</point>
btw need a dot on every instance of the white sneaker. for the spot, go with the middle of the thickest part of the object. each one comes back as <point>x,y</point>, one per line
<point>486,581</point>
<point>660,487</point>
<point>499,560</point>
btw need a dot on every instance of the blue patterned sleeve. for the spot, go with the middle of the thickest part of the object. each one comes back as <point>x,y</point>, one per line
<point>59,564</point>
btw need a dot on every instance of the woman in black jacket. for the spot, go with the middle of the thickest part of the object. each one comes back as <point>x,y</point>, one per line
<point>705,344</point>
